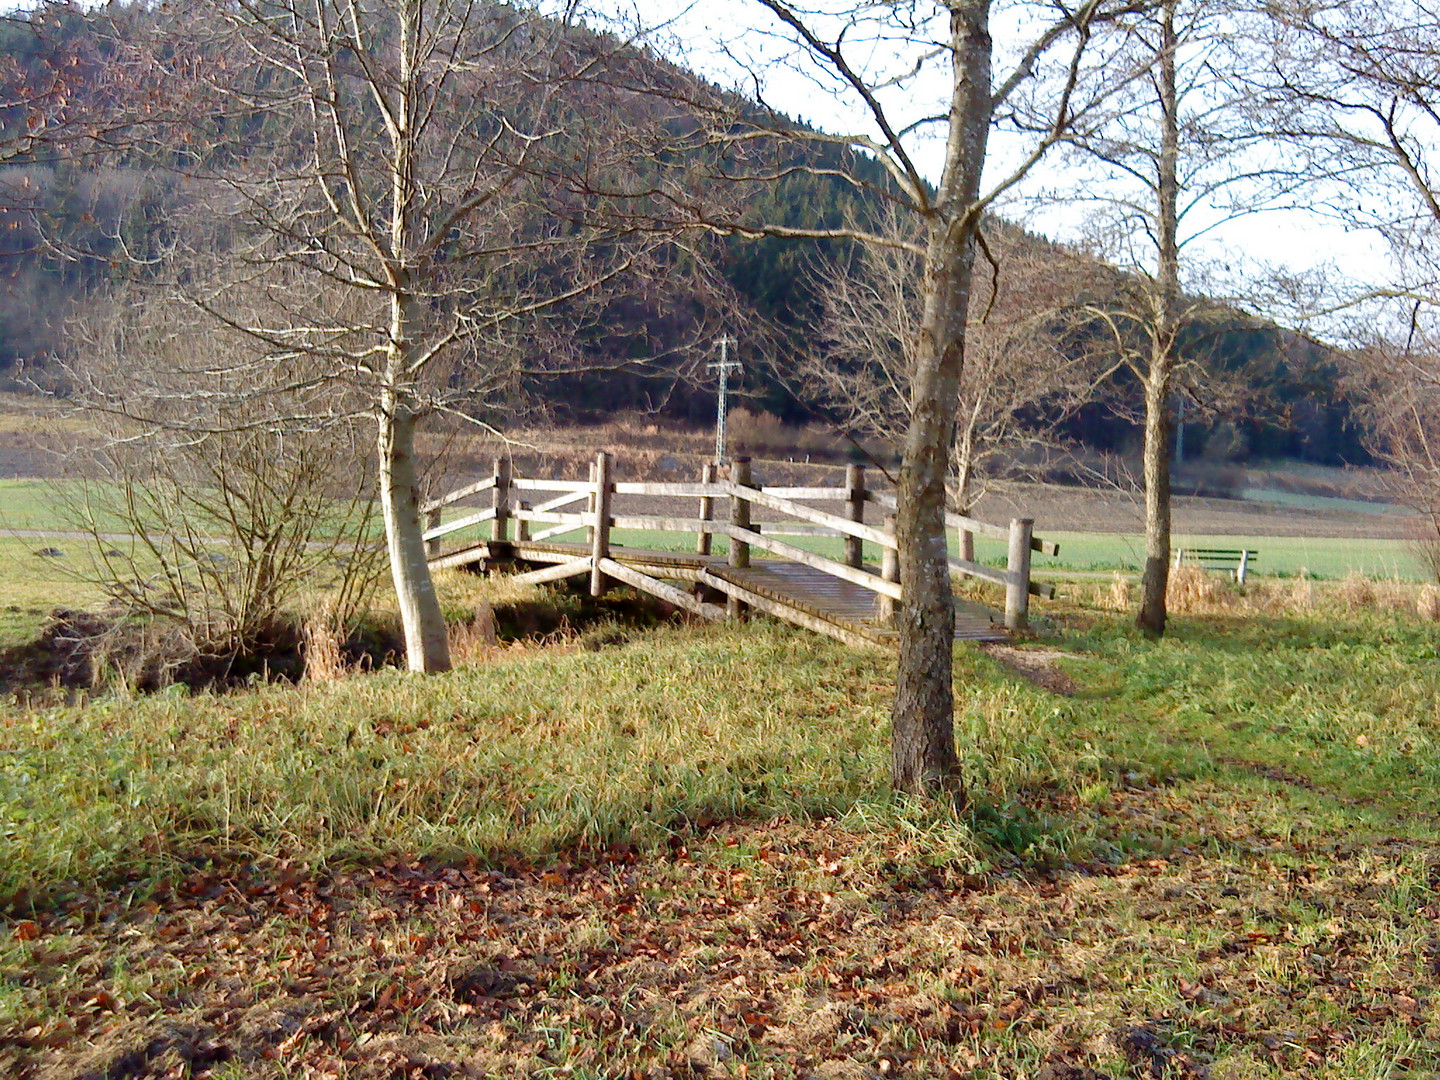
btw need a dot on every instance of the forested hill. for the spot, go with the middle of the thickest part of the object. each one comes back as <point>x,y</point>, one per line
<point>71,228</point>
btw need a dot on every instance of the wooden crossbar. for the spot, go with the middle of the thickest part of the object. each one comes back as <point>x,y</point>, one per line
<point>477,518</point>
<point>655,587</point>
<point>810,514</point>
<point>558,572</point>
<point>458,494</point>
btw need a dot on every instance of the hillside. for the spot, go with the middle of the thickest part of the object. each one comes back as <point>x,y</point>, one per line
<point>64,225</point>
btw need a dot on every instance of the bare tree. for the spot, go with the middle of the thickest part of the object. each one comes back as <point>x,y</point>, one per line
<point>1177,155</point>
<point>917,76</point>
<point>1021,377</point>
<point>430,161</point>
<point>1354,90</point>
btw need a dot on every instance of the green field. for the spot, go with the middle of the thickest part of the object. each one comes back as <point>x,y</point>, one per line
<point>1319,557</point>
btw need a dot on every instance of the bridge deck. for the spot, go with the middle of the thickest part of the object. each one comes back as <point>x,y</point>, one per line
<point>792,589</point>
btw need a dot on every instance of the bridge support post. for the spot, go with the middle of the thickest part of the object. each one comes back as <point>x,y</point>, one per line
<point>740,518</point>
<point>500,500</point>
<point>1017,588</point>
<point>707,511</point>
<point>889,571</point>
<point>855,481</point>
<point>600,533</point>
<point>432,521</point>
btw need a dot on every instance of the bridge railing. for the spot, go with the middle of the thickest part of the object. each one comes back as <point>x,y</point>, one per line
<point>604,510</point>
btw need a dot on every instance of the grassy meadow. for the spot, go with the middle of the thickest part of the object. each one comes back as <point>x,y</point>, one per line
<point>671,852</point>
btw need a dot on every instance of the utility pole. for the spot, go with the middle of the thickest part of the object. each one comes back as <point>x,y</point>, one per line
<point>724,367</point>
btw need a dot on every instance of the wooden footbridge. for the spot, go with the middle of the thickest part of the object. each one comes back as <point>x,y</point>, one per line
<point>846,598</point>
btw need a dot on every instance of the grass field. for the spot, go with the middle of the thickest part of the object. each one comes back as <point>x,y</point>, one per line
<point>675,855</point>
<point>1319,557</point>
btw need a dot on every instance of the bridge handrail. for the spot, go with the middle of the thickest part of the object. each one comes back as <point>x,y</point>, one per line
<point>743,496</point>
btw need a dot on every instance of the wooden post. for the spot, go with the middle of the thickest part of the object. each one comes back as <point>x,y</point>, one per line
<point>1017,590</point>
<point>740,518</point>
<point>600,536</point>
<point>522,527</point>
<point>889,571</point>
<point>855,481</point>
<point>707,511</point>
<point>1243,565</point>
<point>500,500</point>
<point>432,521</point>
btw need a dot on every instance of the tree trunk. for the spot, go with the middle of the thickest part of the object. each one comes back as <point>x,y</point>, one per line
<point>1156,468</point>
<point>427,647</point>
<point>1163,334</point>
<point>923,760</point>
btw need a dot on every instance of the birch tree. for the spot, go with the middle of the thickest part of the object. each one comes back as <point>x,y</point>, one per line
<point>919,81</point>
<point>1178,154</point>
<point>432,160</point>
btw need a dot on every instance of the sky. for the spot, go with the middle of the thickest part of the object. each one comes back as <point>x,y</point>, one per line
<point>733,40</point>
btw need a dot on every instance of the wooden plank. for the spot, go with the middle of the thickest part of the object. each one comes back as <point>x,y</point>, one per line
<point>810,514</point>
<point>655,524</point>
<point>558,572</point>
<point>1045,547</point>
<point>522,484</point>
<point>679,597</point>
<point>560,500</point>
<point>848,635</point>
<point>979,570</point>
<point>463,557</point>
<point>558,530</point>
<point>838,494</point>
<point>692,490</point>
<point>460,523</point>
<point>458,494</point>
<point>809,558</point>
<point>574,520</point>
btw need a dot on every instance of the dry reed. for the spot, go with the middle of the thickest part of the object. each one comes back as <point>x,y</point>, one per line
<point>1119,599</point>
<point>323,643</point>
<point>1356,592</point>
<point>1427,603</point>
<point>1192,590</point>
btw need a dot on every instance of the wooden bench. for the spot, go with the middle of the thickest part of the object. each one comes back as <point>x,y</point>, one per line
<point>1235,560</point>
